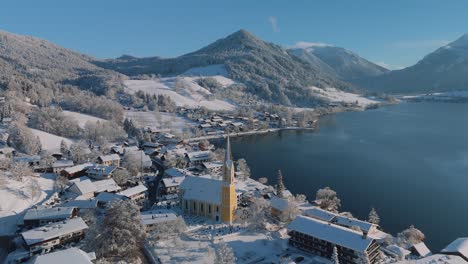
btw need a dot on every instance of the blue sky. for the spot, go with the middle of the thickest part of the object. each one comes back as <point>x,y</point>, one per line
<point>394,32</point>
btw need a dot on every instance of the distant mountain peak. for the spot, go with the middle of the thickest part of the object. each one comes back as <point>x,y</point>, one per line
<point>460,42</point>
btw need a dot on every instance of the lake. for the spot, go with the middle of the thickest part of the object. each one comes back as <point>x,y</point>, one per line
<point>409,161</point>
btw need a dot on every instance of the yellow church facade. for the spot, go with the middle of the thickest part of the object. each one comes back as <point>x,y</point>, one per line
<point>211,198</point>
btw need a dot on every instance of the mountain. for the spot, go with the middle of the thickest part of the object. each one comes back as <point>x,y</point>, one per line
<point>268,70</point>
<point>31,62</point>
<point>344,63</point>
<point>445,69</point>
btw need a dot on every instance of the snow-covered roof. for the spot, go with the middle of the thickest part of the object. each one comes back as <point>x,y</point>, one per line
<point>174,172</point>
<point>199,155</point>
<point>213,164</point>
<point>78,168</point>
<point>82,187</point>
<point>321,214</point>
<point>401,252</point>
<point>70,256</point>
<point>48,213</point>
<point>105,197</point>
<point>422,249</point>
<point>7,150</point>
<point>82,203</point>
<point>107,185</point>
<point>118,149</point>
<point>279,203</point>
<point>174,181</point>
<point>334,234</point>
<point>110,157</point>
<point>436,259</point>
<point>101,170</point>
<point>459,245</point>
<point>133,191</point>
<point>62,163</point>
<point>338,219</point>
<point>202,189</point>
<point>154,217</point>
<point>130,149</point>
<point>54,230</point>
<point>27,159</point>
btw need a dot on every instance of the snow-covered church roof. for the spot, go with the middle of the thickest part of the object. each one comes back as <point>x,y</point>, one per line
<point>202,188</point>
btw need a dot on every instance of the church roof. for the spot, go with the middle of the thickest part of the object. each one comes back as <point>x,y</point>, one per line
<point>203,189</point>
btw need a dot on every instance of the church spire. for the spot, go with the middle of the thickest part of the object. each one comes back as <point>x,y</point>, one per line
<point>228,165</point>
<point>228,157</point>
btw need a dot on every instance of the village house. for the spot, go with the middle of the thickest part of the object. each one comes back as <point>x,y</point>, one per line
<point>103,198</point>
<point>71,255</point>
<point>319,238</point>
<point>107,185</point>
<point>40,216</point>
<point>213,167</point>
<point>198,157</point>
<point>171,185</point>
<point>7,151</point>
<point>135,193</point>
<point>32,160</point>
<point>174,172</point>
<point>45,238</point>
<point>212,198</point>
<point>100,172</point>
<point>459,247</point>
<point>59,165</point>
<point>109,160</point>
<point>76,171</point>
<point>119,150</point>
<point>151,219</point>
<point>83,189</point>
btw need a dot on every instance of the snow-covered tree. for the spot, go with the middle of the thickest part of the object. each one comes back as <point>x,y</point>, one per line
<point>301,198</point>
<point>259,211</point>
<point>168,229</point>
<point>33,189</point>
<point>243,168</point>
<point>280,185</point>
<point>374,217</point>
<point>22,139</point>
<point>121,176</point>
<point>327,199</point>
<point>362,259</point>
<point>19,170</point>
<point>204,145</point>
<point>411,235</point>
<point>64,147</point>
<point>80,152</point>
<point>224,254</point>
<point>61,183</point>
<point>291,211</point>
<point>335,257</point>
<point>132,161</point>
<point>120,232</point>
<point>263,180</point>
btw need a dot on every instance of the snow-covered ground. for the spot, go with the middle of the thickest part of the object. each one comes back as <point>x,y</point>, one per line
<point>82,118</point>
<point>158,120</point>
<point>335,95</point>
<point>184,250</point>
<point>15,199</point>
<point>216,71</point>
<point>49,141</point>
<point>189,94</point>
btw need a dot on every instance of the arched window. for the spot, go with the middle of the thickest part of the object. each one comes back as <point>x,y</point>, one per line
<point>186,205</point>
<point>201,207</point>
<point>209,208</point>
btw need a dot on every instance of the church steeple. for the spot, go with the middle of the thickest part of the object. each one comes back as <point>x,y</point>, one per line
<point>228,165</point>
<point>228,188</point>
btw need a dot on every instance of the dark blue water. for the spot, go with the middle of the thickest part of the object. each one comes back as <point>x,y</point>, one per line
<point>409,161</point>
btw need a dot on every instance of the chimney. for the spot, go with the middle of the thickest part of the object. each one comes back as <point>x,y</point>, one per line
<point>364,234</point>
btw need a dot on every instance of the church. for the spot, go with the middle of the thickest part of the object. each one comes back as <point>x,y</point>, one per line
<point>212,198</point>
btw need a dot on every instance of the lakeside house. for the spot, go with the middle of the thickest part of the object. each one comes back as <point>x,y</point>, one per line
<point>198,157</point>
<point>45,238</point>
<point>320,237</point>
<point>76,171</point>
<point>459,247</point>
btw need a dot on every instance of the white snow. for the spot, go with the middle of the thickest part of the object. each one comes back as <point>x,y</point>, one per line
<point>158,120</point>
<point>82,118</point>
<point>15,199</point>
<point>335,95</point>
<point>50,142</point>
<point>191,95</point>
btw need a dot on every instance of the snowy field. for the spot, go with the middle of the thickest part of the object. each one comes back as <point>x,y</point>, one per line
<point>184,250</point>
<point>82,118</point>
<point>335,95</point>
<point>15,199</point>
<point>191,95</point>
<point>50,142</point>
<point>158,120</point>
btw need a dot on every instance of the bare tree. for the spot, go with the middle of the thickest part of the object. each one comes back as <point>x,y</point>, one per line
<point>33,189</point>
<point>61,182</point>
<point>411,235</point>
<point>263,180</point>
<point>335,257</point>
<point>121,176</point>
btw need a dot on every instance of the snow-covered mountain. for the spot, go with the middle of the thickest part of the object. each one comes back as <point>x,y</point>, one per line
<point>343,63</point>
<point>268,70</point>
<point>445,69</point>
